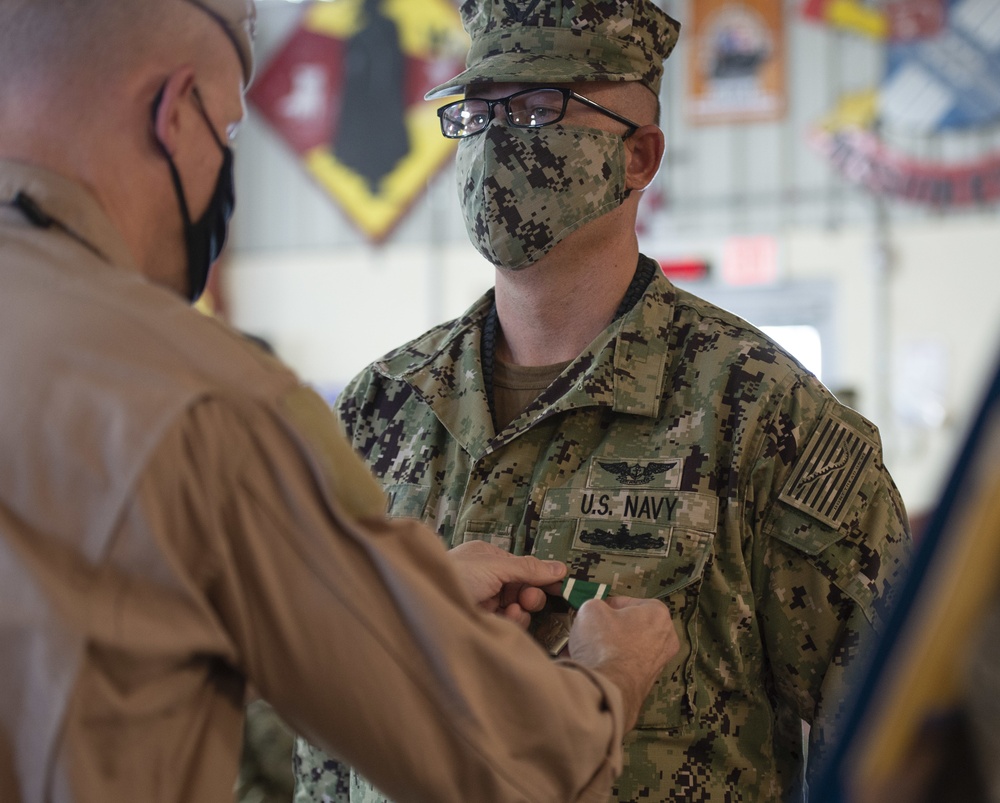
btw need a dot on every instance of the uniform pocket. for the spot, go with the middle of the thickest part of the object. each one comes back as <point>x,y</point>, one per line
<point>408,501</point>
<point>497,533</point>
<point>641,559</point>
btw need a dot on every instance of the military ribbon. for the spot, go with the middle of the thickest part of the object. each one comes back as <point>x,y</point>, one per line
<point>576,592</point>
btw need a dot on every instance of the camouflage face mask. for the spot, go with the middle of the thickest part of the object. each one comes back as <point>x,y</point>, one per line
<point>525,189</point>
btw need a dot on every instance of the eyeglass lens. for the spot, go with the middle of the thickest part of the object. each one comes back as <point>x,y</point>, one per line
<point>530,108</point>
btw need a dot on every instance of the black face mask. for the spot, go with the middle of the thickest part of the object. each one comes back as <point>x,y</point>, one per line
<point>204,238</point>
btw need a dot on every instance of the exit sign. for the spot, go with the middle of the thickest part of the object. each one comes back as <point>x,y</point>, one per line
<point>750,260</point>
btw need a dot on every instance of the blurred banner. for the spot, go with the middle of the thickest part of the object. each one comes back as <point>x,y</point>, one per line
<point>737,61</point>
<point>864,159</point>
<point>948,78</point>
<point>942,80</point>
<point>345,93</point>
<point>898,20</point>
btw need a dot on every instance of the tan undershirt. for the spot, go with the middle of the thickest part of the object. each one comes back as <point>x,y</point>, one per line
<point>517,386</point>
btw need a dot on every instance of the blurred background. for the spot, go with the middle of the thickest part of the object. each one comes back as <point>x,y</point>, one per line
<point>832,175</point>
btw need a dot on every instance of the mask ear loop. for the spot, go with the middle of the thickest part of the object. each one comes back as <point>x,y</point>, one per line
<point>174,175</point>
<point>204,116</point>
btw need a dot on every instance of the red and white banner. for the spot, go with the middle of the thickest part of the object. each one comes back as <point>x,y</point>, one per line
<point>864,159</point>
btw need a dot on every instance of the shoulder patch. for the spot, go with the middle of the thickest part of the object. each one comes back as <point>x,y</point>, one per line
<point>828,472</point>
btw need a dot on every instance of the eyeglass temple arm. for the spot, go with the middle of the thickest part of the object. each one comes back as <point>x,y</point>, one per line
<point>613,115</point>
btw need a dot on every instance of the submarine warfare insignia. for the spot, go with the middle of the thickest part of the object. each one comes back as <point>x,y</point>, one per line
<point>623,540</point>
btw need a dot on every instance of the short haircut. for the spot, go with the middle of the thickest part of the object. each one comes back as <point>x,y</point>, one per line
<point>82,41</point>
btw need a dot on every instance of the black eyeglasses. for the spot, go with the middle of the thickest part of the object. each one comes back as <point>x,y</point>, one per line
<point>529,108</point>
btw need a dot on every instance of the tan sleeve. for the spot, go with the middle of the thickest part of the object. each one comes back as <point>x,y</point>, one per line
<point>360,635</point>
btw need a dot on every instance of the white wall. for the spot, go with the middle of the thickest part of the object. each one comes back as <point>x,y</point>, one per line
<point>934,336</point>
<point>916,307</point>
<point>328,313</point>
<point>942,338</point>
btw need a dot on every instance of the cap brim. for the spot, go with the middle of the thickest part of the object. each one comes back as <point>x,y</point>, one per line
<point>513,68</point>
<point>559,56</point>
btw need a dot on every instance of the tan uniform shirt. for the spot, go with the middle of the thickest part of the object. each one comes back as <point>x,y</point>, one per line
<point>179,516</point>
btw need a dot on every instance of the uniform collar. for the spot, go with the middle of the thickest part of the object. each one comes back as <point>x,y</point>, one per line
<point>622,369</point>
<point>75,208</point>
<point>444,368</point>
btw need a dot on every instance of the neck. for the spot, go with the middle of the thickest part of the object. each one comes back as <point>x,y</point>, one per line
<point>109,168</point>
<point>118,171</point>
<point>551,311</point>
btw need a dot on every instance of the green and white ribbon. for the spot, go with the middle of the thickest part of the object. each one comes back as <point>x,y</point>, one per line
<point>576,592</point>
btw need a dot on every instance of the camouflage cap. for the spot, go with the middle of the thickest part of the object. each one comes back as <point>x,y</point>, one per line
<point>563,41</point>
<point>238,18</point>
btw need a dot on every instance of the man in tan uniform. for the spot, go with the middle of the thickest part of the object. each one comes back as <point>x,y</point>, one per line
<point>180,518</point>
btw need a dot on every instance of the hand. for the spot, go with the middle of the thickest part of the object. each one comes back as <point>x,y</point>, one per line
<point>627,640</point>
<point>503,583</point>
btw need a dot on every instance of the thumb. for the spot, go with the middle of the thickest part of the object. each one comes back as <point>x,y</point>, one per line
<point>533,571</point>
<point>620,603</point>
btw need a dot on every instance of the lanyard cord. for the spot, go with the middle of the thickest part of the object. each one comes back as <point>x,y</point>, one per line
<point>41,219</point>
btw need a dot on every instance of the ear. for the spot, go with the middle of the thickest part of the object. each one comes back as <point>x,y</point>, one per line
<point>172,101</point>
<point>644,152</point>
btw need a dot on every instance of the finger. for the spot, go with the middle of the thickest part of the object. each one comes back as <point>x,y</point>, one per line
<point>490,605</point>
<point>516,614</point>
<point>530,571</point>
<point>594,609</point>
<point>532,599</point>
<point>618,603</point>
<point>477,550</point>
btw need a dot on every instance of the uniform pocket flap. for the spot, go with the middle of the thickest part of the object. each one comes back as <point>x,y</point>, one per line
<point>408,501</point>
<point>636,559</point>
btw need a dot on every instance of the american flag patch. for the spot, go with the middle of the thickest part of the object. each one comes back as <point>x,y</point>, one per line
<point>827,474</point>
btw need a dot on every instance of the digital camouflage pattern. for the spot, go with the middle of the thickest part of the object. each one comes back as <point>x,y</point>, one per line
<point>266,762</point>
<point>564,41</point>
<point>682,456</point>
<point>524,189</point>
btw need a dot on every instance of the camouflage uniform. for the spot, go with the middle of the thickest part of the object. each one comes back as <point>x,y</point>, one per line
<point>682,456</point>
<point>266,762</point>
